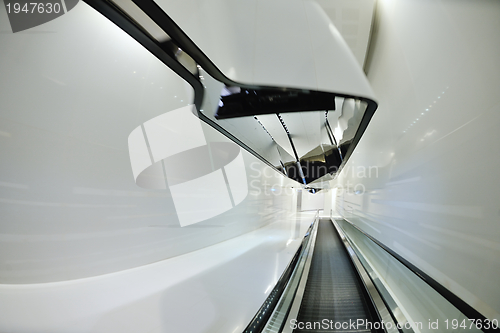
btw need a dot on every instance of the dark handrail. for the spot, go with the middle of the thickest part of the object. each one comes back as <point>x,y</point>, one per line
<point>259,321</point>
<point>262,316</point>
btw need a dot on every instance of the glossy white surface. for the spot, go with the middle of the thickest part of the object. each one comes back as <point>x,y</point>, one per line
<point>434,141</point>
<point>72,91</point>
<point>144,21</point>
<point>353,19</point>
<point>285,43</point>
<point>216,289</point>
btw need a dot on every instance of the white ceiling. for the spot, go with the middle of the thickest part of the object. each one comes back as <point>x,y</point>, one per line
<point>353,19</point>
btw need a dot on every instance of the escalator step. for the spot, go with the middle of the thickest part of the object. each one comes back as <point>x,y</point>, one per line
<point>333,291</point>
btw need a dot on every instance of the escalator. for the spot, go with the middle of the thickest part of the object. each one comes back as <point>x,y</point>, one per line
<point>334,295</point>
<point>344,280</point>
<point>327,290</point>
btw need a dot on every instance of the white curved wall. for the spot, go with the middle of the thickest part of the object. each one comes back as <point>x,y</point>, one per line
<point>284,43</point>
<point>435,142</point>
<point>71,93</point>
<point>213,290</point>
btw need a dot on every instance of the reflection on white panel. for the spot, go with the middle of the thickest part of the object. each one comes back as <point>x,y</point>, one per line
<point>138,150</point>
<point>201,198</point>
<point>188,166</point>
<point>152,177</point>
<point>167,132</point>
<point>237,179</point>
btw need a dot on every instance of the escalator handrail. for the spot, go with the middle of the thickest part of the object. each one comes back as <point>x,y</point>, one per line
<point>259,321</point>
<point>456,301</point>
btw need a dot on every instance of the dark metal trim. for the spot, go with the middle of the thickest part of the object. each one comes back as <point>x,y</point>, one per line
<point>329,128</point>
<point>255,102</point>
<point>222,130</point>
<point>456,301</point>
<point>301,173</point>
<point>329,136</point>
<point>289,137</point>
<point>330,133</point>
<point>116,15</point>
